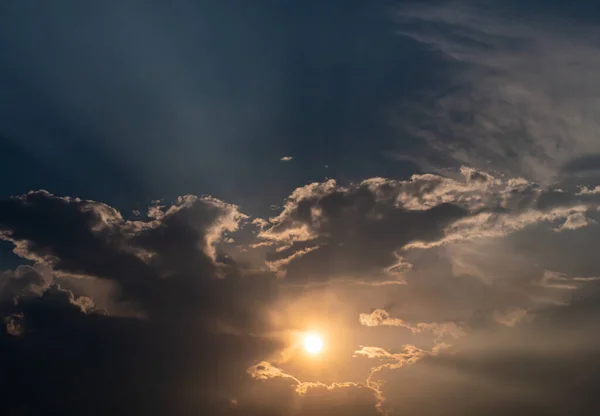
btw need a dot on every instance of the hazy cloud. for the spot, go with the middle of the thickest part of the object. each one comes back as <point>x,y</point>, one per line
<point>522,96</point>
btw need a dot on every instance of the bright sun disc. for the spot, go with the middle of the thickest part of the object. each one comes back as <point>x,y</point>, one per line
<point>313,343</point>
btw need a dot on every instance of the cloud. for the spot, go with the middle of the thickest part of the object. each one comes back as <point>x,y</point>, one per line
<point>556,280</point>
<point>317,397</point>
<point>24,281</point>
<point>201,314</point>
<point>172,255</point>
<point>575,221</point>
<point>348,231</point>
<point>202,318</point>
<point>587,191</point>
<point>362,231</point>
<point>286,158</point>
<point>512,318</point>
<point>410,354</point>
<point>265,370</point>
<point>13,325</point>
<point>187,295</point>
<point>521,95</point>
<point>380,317</point>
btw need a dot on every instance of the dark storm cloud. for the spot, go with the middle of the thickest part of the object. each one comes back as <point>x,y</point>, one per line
<point>164,263</point>
<point>203,315</point>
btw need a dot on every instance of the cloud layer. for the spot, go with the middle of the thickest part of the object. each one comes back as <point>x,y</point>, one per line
<point>220,326</point>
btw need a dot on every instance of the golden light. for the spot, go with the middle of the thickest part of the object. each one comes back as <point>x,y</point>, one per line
<point>313,343</point>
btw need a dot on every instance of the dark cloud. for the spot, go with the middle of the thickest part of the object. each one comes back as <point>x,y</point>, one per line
<point>363,231</point>
<point>210,333</point>
<point>203,318</point>
<point>24,281</point>
<point>582,164</point>
<point>327,230</point>
<point>165,263</point>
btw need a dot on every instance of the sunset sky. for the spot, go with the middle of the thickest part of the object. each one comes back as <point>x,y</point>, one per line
<point>299,207</point>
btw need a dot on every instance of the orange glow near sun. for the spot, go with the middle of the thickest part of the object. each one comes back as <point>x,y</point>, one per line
<point>313,343</point>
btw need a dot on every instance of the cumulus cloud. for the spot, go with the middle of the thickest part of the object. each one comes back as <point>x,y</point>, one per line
<point>168,266</point>
<point>174,251</point>
<point>360,230</point>
<point>348,231</point>
<point>198,308</point>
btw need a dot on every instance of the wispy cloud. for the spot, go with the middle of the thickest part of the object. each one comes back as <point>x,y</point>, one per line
<point>380,317</point>
<point>522,94</point>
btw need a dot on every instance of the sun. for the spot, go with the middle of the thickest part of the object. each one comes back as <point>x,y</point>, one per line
<point>313,343</point>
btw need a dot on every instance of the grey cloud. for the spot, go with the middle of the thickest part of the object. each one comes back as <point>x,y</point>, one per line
<point>207,313</point>
<point>359,231</point>
<point>522,97</point>
<point>349,232</point>
<point>575,221</point>
<point>201,312</point>
<point>511,318</point>
<point>24,281</point>
<point>173,252</point>
<point>582,164</point>
<point>527,367</point>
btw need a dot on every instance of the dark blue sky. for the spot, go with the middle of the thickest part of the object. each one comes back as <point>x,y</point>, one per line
<point>127,102</point>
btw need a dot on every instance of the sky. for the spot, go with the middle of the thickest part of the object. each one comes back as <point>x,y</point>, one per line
<point>299,207</point>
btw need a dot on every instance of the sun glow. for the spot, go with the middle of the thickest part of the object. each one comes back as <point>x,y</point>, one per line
<point>313,343</point>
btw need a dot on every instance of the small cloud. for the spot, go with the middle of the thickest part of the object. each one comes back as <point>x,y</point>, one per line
<point>380,317</point>
<point>286,158</point>
<point>574,222</point>
<point>513,317</point>
<point>14,325</point>
<point>584,190</point>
